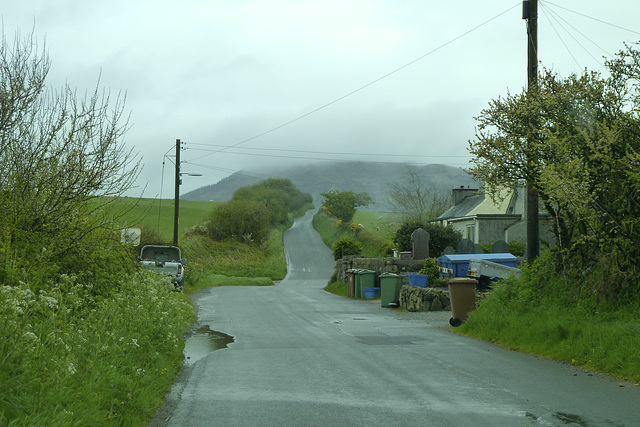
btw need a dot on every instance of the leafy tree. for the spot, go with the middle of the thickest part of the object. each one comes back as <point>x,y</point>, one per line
<point>583,134</point>
<point>280,197</point>
<point>439,236</point>
<point>343,204</point>
<point>244,220</point>
<point>60,154</point>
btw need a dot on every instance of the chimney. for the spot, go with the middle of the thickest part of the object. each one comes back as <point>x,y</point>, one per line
<point>459,194</point>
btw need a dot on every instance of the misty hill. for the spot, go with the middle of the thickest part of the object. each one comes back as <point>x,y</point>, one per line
<point>372,178</point>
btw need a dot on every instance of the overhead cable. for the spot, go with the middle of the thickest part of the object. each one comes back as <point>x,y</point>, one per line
<point>322,107</point>
<point>591,17</point>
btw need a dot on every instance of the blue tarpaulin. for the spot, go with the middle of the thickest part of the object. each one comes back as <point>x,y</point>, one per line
<point>458,265</point>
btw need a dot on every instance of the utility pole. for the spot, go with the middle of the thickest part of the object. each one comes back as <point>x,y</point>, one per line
<point>530,14</point>
<point>176,211</point>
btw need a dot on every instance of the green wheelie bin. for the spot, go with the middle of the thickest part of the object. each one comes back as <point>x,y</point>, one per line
<point>389,289</point>
<point>367,280</point>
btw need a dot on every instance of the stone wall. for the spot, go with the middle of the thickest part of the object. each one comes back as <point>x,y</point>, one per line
<point>424,299</point>
<point>411,298</point>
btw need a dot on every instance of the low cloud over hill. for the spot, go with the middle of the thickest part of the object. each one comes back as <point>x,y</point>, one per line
<point>372,178</point>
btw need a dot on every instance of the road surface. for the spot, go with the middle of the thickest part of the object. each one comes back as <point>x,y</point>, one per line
<point>303,357</point>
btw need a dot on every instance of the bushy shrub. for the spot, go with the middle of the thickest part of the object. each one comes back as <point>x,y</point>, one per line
<point>517,247</point>
<point>432,270</point>
<point>71,358</point>
<point>99,259</point>
<point>243,220</point>
<point>486,247</point>
<point>151,236</point>
<point>346,246</point>
<point>280,197</point>
<point>60,155</point>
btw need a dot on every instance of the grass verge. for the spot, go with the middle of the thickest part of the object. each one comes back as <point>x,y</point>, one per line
<point>232,263</point>
<point>606,342</point>
<point>337,288</point>
<point>70,355</point>
<point>373,245</point>
<point>72,358</point>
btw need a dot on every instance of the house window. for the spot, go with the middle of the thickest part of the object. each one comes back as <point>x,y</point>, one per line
<point>471,232</point>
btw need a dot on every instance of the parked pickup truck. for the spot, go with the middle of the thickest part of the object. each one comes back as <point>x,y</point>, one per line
<point>165,260</point>
<point>487,271</point>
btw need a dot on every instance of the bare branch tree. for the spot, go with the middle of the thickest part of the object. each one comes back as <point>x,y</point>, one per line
<point>60,153</point>
<point>413,199</point>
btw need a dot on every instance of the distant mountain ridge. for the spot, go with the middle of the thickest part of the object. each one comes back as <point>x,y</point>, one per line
<point>316,178</point>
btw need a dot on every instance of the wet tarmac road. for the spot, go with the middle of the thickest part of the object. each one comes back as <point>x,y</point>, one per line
<point>294,355</point>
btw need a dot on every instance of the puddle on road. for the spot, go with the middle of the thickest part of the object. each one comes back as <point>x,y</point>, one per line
<point>571,419</point>
<point>202,342</point>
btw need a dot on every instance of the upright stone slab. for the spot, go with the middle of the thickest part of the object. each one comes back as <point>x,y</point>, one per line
<point>448,251</point>
<point>500,247</point>
<point>466,246</point>
<point>420,242</point>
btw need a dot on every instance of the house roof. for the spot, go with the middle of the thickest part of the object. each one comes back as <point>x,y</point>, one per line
<point>463,208</point>
<point>488,206</point>
<point>478,204</point>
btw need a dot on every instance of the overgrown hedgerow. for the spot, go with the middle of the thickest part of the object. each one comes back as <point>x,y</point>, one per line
<point>553,311</point>
<point>72,358</point>
<point>331,230</point>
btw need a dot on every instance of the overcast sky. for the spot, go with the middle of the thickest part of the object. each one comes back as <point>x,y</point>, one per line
<point>285,80</point>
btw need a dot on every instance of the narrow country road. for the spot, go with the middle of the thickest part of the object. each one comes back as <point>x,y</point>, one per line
<point>303,357</point>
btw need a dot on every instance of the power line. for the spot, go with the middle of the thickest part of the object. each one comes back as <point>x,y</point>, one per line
<point>322,107</point>
<point>333,153</point>
<point>560,37</point>
<point>335,160</point>
<point>553,15</point>
<point>282,156</point>
<point>591,17</point>
<point>226,148</point>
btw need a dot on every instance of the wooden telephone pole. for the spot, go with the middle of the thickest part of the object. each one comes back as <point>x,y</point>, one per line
<point>176,211</point>
<point>530,14</point>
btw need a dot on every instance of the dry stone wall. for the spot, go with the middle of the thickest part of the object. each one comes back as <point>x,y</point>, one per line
<point>424,299</point>
<point>411,298</point>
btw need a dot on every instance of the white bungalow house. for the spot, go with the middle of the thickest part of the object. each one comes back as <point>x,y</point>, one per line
<point>481,220</point>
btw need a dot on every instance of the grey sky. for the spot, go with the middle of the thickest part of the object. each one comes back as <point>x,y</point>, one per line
<point>216,73</point>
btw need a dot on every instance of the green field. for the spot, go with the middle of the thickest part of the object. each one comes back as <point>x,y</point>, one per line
<point>381,224</point>
<point>158,214</point>
<point>375,236</point>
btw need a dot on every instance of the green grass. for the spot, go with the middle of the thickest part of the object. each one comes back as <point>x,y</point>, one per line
<point>158,214</point>
<point>232,263</point>
<point>338,288</point>
<point>607,341</point>
<point>209,263</point>
<point>70,358</point>
<point>211,280</point>
<point>373,244</point>
<point>381,224</point>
